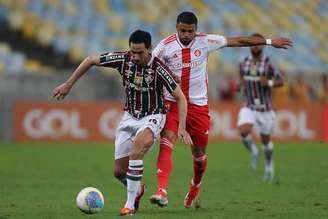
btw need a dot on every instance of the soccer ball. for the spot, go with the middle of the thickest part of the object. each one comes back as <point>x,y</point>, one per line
<point>90,200</point>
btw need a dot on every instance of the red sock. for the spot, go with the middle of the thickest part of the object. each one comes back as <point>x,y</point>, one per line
<point>164,163</point>
<point>200,164</point>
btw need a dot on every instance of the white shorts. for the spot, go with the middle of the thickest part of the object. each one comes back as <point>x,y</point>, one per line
<point>265,121</point>
<point>129,127</point>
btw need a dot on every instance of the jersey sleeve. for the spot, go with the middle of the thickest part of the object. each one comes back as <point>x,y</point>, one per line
<point>112,60</point>
<point>166,77</point>
<point>215,42</point>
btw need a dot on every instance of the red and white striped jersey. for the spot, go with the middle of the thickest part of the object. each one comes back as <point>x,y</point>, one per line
<point>189,63</point>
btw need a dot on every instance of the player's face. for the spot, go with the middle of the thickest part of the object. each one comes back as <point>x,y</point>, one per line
<point>186,32</point>
<point>140,54</point>
<point>256,50</point>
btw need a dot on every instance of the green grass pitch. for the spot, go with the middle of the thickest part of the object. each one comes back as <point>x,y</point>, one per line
<point>41,181</point>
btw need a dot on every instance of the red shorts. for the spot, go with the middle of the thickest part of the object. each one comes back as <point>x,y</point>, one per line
<point>197,124</point>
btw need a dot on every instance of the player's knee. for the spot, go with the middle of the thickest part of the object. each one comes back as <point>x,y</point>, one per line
<point>243,134</point>
<point>169,135</point>
<point>198,151</point>
<point>265,139</point>
<point>140,148</point>
<point>244,130</point>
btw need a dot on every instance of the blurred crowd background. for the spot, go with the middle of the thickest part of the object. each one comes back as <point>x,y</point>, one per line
<point>47,38</point>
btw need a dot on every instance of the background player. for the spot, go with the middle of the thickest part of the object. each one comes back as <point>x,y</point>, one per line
<point>186,53</point>
<point>144,78</point>
<point>258,77</point>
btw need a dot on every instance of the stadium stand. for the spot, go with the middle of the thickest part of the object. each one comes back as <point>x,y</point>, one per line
<point>72,29</point>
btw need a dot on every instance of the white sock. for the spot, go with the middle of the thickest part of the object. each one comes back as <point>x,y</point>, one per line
<point>268,152</point>
<point>133,176</point>
<point>250,145</point>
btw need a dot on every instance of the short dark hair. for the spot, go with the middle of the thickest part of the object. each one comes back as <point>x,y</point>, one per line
<point>140,36</point>
<point>258,35</point>
<point>187,17</point>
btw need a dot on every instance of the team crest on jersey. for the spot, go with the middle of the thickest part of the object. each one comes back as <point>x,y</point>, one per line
<point>197,52</point>
<point>149,76</point>
<point>138,80</point>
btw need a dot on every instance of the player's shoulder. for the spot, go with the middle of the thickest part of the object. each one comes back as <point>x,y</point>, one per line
<point>157,62</point>
<point>117,54</point>
<point>201,34</point>
<point>113,56</point>
<point>169,39</point>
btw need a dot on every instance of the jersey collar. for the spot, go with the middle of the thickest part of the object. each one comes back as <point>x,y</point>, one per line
<point>182,45</point>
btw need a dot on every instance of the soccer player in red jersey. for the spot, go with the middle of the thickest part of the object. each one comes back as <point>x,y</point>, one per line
<point>144,77</point>
<point>186,53</point>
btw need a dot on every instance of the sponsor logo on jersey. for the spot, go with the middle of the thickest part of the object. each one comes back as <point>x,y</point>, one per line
<point>115,56</point>
<point>186,64</point>
<point>138,80</point>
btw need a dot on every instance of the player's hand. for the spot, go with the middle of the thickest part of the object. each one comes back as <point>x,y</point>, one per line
<point>61,91</point>
<point>185,137</point>
<point>282,43</point>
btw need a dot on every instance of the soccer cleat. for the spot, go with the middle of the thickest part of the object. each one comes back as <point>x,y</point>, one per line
<point>139,196</point>
<point>160,198</point>
<point>127,211</point>
<point>191,199</point>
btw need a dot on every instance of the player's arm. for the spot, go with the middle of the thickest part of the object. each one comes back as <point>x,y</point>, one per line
<point>277,79</point>
<point>182,107</point>
<point>62,90</point>
<point>246,41</point>
<point>166,75</point>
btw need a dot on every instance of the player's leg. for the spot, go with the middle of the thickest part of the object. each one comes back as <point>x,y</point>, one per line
<point>120,169</point>
<point>123,145</point>
<point>198,122</point>
<point>246,121</point>
<point>164,159</point>
<point>141,145</point>
<point>268,155</point>
<point>199,157</point>
<point>267,121</point>
<point>164,168</point>
<point>145,137</point>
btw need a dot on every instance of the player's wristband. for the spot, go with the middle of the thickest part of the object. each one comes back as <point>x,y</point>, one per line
<point>270,83</point>
<point>268,42</point>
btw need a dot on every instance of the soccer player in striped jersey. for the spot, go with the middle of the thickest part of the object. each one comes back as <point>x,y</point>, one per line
<point>144,79</point>
<point>257,78</point>
<point>186,53</point>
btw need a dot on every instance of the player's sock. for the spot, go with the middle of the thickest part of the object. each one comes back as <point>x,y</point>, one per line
<point>164,163</point>
<point>134,176</point>
<point>125,183</point>
<point>250,145</point>
<point>268,154</point>
<point>200,164</point>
